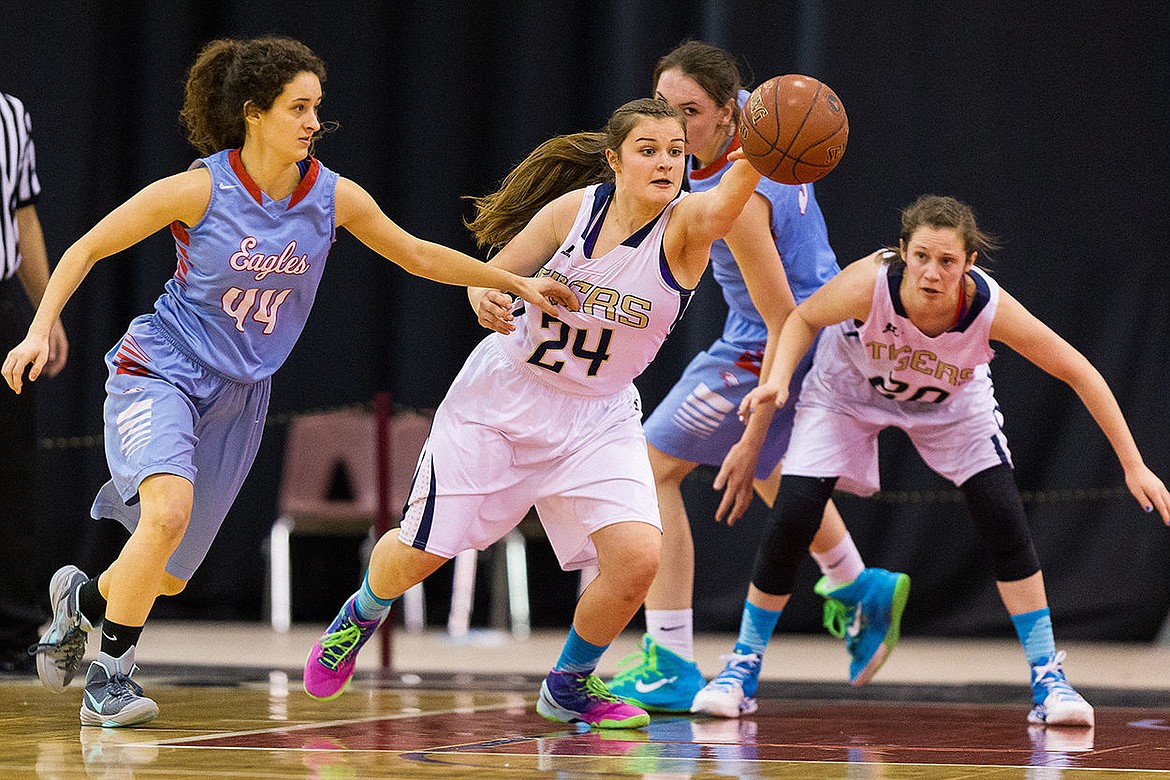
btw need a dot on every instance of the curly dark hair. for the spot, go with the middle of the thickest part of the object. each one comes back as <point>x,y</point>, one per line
<point>229,73</point>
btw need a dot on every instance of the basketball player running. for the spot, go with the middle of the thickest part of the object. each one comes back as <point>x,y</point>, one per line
<point>777,254</point>
<point>545,412</point>
<point>907,345</point>
<point>188,385</point>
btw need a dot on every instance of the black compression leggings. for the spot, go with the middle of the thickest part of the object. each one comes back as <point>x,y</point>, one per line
<point>998,511</point>
<point>792,524</point>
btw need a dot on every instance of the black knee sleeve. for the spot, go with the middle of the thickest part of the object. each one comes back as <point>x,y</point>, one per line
<point>998,511</point>
<point>792,524</point>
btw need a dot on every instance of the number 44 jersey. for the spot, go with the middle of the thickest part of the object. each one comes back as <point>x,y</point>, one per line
<point>629,299</point>
<point>246,274</point>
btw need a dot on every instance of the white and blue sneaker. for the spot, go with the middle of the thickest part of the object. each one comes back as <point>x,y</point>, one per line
<point>111,699</point>
<point>1055,702</point>
<point>732,692</point>
<point>868,614</point>
<point>657,679</point>
<point>62,646</point>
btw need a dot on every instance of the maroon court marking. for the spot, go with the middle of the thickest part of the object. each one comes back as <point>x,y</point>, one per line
<point>865,732</point>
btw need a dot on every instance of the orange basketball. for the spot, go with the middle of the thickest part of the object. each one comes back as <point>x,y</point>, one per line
<point>793,129</point>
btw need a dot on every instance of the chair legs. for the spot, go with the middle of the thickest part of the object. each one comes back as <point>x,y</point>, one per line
<point>463,588</point>
<point>279,572</point>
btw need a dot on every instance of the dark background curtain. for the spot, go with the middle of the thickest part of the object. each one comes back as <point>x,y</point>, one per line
<point>1052,120</point>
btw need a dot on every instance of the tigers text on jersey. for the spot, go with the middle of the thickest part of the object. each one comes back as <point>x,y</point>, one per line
<point>247,273</point>
<point>629,303</point>
<point>904,364</point>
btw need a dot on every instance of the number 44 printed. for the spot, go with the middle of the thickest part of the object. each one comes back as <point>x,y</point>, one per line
<point>262,304</point>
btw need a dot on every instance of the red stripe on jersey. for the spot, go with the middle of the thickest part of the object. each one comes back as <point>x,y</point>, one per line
<point>710,170</point>
<point>245,178</point>
<point>307,182</point>
<point>751,360</point>
<point>131,368</point>
<point>179,231</point>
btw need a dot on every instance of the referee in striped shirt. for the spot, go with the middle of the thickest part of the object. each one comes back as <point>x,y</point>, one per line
<point>24,272</point>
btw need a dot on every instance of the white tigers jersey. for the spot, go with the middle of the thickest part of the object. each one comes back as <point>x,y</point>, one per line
<point>629,299</point>
<point>904,364</point>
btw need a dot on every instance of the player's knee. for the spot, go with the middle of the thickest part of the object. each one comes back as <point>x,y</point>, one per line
<point>998,512</point>
<point>792,524</point>
<point>634,572</point>
<point>166,524</point>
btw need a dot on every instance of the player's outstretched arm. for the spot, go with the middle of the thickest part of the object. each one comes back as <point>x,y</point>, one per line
<point>1022,331</point>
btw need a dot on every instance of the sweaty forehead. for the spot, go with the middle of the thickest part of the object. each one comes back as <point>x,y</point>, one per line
<point>938,239</point>
<point>661,129</point>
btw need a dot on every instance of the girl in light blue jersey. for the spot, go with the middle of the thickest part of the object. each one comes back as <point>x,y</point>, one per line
<point>188,385</point>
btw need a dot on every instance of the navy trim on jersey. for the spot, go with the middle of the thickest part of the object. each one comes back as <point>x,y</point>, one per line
<point>978,303</point>
<point>684,300</point>
<point>424,526</point>
<point>602,197</point>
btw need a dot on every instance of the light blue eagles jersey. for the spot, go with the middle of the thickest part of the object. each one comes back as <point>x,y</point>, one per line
<point>802,240</point>
<point>247,273</point>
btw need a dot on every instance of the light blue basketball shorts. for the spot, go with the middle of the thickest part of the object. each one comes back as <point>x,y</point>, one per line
<point>168,414</point>
<point>697,419</point>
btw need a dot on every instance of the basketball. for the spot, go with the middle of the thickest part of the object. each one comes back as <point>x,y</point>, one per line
<point>793,129</point>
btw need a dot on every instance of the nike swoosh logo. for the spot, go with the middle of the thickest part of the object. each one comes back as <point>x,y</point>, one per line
<point>223,186</point>
<point>111,638</point>
<point>670,628</point>
<point>642,687</point>
<point>855,625</point>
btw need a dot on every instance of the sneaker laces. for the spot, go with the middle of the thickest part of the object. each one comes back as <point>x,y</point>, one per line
<point>632,666</point>
<point>593,686</point>
<point>1050,674</point>
<point>338,644</point>
<point>737,670</point>
<point>70,648</point>
<point>123,689</point>
<point>836,617</point>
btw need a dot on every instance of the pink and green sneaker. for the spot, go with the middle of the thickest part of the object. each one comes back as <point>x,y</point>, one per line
<point>331,661</point>
<point>573,697</point>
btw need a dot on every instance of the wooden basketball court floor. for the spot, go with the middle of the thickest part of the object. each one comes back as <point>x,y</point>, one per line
<point>467,711</point>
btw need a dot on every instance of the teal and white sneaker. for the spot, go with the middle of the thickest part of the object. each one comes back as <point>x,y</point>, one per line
<point>657,679</point>
<point>1055,702</point>
<point>868,614</point>
<point>62,646</point>
<point>732,692</point>
<point>111,699</point>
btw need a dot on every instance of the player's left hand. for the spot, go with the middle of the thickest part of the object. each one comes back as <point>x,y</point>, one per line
<point>736,478</point>
<point>1149,491</point>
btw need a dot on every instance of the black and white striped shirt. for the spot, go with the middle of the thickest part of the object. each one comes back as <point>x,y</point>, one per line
<point>18,177</point>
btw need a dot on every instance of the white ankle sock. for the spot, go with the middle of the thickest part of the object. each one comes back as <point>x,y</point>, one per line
<point>674,629</point>
<point>842,563</point>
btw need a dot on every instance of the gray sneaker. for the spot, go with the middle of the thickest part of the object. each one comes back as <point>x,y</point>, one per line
<point>62,646</point>
<point>111,699</point>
